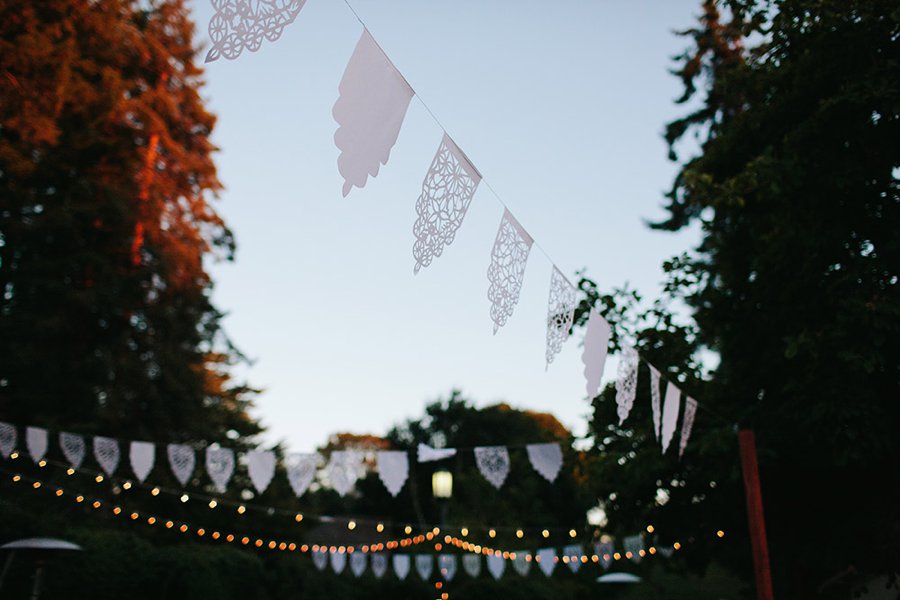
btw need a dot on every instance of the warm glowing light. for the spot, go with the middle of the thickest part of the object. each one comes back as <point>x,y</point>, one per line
<point>272,545</point>
<point>245,540</point>
<point>169,524</point>
<point>154,491</point>
<point>201,532</point>
<point>438,585</point>
<point>407,530</point>
<point>442,484</point>
<point>545,533</point>
<point>213,504</point>
<point>720,533</point>
<point>42,463</point>
<point>126,485</point>
<point>183,529</point>
<point>151,520</point>
<point>36,484</point>
<point>351,525</point>
<point>464,532</point>
<point>70,471</point>
<point>652,550</point>
<point>628,555</point>
<point>216,535</point>
<point>185,497</point>
<point>298,517</point>
<point>617,556</point>
<point>98,478</point>
<point>573,533</point>
<point>229,538</point>
<point>492,533</point>
<point>379,528</point>
<point>292,546</point>
<point>445,596</point>
<point>17,478</point>
<point>520,534</point>
<point>117,510</point>
<point>59,492</point>
<point>650,529</point>
<point>677,546</point>
<point>282,546</point>
<point>241,509</point>
<point>259,543</point>
<point>642,553</point>
<point>79,498</point>
<point>96,504</point>
<point>14,455</point>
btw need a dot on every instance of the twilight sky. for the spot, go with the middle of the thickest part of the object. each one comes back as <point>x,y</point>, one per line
<point>561,107</point>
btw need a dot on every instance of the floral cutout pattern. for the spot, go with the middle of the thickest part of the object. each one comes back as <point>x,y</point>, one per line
<point>301,470</point>
<point>509,257</point>
<point>73,448</point>
<point>546,459</point>
<point>182,461</point>
<point>220,466</point>
<point>240,24</point>
<point>626,382</point>
<point>8,438</point>
<point>106,451</point>
<point>560,313</point>
<point>687,424</point>
<point>493,462</point>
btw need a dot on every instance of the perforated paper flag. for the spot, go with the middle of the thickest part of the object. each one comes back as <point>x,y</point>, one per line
<point>670,414</point>
<point>447,566</point>
<point>401,565</point>
<point>73,448</point>
<point>36,441</point>
<point>244,24</point>
<point>687,424</point>
<point>547,459</point>
<point>472,564</point>
<point>655,402</point>
<point>424,566</point>
<point>106,451</point>
<point>220,466</point>
<point>626,382</point>
<point>261,468</point>
<point>509,257</point>
<point>546,558</point>
<point>393,469</point>
<point>560,313</point>
<point>142,456</point>
<point>182,461</point>
<point>301,470</point>
<point>493,462</point>
<point>596,343</point>
<point>8,438</point>
<point>496,565</point>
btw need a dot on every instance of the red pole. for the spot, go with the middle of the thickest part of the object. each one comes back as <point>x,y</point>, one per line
<point>750,468</point>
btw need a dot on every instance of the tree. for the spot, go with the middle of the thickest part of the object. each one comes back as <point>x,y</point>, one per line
<point>106,171</point>
<point>795,283</point>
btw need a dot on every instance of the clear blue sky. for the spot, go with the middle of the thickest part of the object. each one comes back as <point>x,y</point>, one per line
<point>560,105</point>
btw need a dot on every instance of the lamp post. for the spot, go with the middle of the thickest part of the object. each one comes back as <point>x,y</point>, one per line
<point>442,490</point>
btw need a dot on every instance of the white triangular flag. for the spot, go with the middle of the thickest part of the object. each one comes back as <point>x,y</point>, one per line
<point>509,257</point>
<point>73,448</point>
<point>655,403</point>
<point>343,469</point>
<point>626,382</point>
<point>496,565</point>
<point>472,564</point>
<point>424,566</point>
<point>573,552</point>
<point>338,561</point>
<point>142,456</point>
<point>301,470</point>
<point>596,344</point>
<point>244,24</point>
<point>428,454</point>
<point>401,565</point>
<point>8,438</point>
<point>493,462</point>
<point>393,469</point>
<point>560,313</point>
<point>687,424</point>
<point>36,442</point>
<point>604,552</point>
<point>546,558</point>
<point>220,466</point>
<point>320,559</point>
<point>373,100</point>
<point>182,461</point>
<point>547,459</point>
<point>379,564</point>
<point>447,566</point>
<point>670,414</point>
<point>634,545</point>
<point>521,563</point>
<point>261,468</point>
<point>106,451</point>
<point>358,563</point>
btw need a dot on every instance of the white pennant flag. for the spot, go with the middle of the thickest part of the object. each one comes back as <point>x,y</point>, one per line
<point>509,257</point>
<point>687,424</point>
<point>634,545</point>
<point>604,552</point>
<point>670,414</point>
<point>301,470</point>
<point>261,468</point>
<point>36,442</point>
<point>320,559</point>
<point>626,382</point>
<point>447,566</point>
<point>142,456</point>
<point>358,563</point>
<point>446,194</point>
<point>393,469</point>
<point>521,563</point>
<point>560,313</point>
<point>493,462</point>
<point>424,566</point>
<point>8,438</point>
<point>429,454</point>
<point>182,461</point>
<point>343,469</point>
<point>496,565</point>
<point>220,466</point>
<point>73,448</point>
<point>371,107</point>
<point>596,344</point>
<point>379,564</point>
<point>338,562</point>
<point>106,451</point>
<point>240,24</point>
<point>655,399</point>
<point>573,552</point>
<point>472,564</point>
<point>546,558</point>
<point>401,565</point>
<point>547,459</point>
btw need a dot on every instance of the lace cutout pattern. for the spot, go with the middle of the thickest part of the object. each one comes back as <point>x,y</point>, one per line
<point>655,399</point>
<point>546,558</point>
<point>560,313</point>
<point>344,468</point>
<point>546,459</point>
<point>301,470</point>
<point>8,438</point>
<point>424,566</point>
<point>401,565</point>
<point>36,442</point>
<point>220,466</point>
<point>446,194</point>
<point>261,468</point>
<point>472,564</point>
<point>671,408</point>
<point>493,462</point>
<point>496,565</point>
<point>687,424</point>
<point>447,566</point>
<point>379,564</point>
<point>596,343</point>
<point>626,382</point>
<point>73,448</point>
<point>106,451</point>
<point>142,456</point>
<point>393,470</point>
<point>182,461</point>
<point>369,111</point>
<point>506,273</point>
<point>240,24</point>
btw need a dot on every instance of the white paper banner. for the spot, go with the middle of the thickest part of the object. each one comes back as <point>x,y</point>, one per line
<point>240,24</point>
<point>596,343</point>
<point>626,382</point>
<point>301,470</point>
<point>509,257</point>
<point>393,469</point>
<point>424,566</point>
<point>472,564</point>
<point>573,552</point>
<point>343,469</point>
<point>338,562</point>
<point>654,398</point>
<point>36,442</point>
<point>560,313</point>
<point>446,194</point>
<point>358,563</point>
<point>73,448</point>
<point>401,565</point>
<point>496,565</point>
<point>521,563</point>
<point>670,414</point>
<point>8,438</point>
<point>142,455</point>
<point>604,552</point>
<point>547,459</point>
<point>635,545</point>
<point>261,468</point>
<point>546,558</point>
<point>493,462</point>
<point>106,451</point>
<point>687,424</point>
<point>428,454</point>
<point>182,461</point>
<point>447,566</point>
<point>220,466</point>
<point>379,564</point>
<point>369,111</point>
<point>320,559</point>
